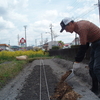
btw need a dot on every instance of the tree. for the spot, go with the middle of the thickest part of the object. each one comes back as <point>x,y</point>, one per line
<point>61,44</point>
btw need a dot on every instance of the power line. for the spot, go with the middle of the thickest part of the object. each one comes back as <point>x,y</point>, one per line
<point>85,13</point>
<point>76,5</point>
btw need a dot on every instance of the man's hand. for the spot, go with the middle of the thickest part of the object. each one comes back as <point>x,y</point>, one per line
<point>76,66</point>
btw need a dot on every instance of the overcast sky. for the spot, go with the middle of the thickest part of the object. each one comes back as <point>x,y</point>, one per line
<point>37,15</point>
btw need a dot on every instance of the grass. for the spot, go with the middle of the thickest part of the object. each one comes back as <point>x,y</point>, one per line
<point>9,55</point>
<point>37,58</point>
<point>10,70</point>
<point>10,67</point>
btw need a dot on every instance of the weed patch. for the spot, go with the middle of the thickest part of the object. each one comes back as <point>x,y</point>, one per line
<point>9,71</point>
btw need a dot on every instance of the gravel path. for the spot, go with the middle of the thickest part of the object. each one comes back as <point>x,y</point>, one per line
<point>25,86</point>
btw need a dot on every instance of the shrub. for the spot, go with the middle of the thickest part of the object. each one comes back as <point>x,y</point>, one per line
<point>55,47</point>
<point>9,55</point>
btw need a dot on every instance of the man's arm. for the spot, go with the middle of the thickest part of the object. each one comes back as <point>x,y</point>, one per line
<point>81,52</point>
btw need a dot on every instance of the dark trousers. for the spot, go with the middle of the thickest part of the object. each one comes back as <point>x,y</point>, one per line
<point>94,65</point>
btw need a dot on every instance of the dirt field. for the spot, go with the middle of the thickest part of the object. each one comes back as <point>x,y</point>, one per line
<point>26,86</point>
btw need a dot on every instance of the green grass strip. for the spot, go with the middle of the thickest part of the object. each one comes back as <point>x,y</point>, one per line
<point>9,70</point>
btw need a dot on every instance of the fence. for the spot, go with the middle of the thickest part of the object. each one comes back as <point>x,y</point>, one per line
<point>69,53</point>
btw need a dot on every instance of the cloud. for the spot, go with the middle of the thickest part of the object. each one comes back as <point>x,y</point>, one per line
<point>3,11</point>
<point>49,13</point>
<point>5,24</point>
<point>38,16</point>
<point>23,3</point>
<point>86,0</point>
<point>42,26</point>
<point>4,3</point>
<point>10,10</point>
<point>13,3</point>
<point>18,17</point>
<point>94,18</point>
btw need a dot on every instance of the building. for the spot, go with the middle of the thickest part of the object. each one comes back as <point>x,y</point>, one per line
<point>67,45</point>
<point>4,47</point>
<point>14,48</point>
<point>76,41</point>
<point>49,45</point>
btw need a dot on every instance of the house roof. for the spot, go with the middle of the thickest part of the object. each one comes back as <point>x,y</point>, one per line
<point>4,45</point>
<point>66,44</point>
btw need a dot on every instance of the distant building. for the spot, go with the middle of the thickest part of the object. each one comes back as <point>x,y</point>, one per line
<point>30,48</point>
<point>49,45</point>
<point>76,41</point>
<point>3,47</point>
<point>52,43</point>
<point>14,47</point>
<point>66,45</point>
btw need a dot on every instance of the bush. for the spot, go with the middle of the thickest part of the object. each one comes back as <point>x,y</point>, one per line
<point>55,47</point>
<point>9,55</point>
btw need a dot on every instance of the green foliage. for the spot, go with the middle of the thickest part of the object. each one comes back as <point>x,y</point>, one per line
<point>9,70</point>
<point>10,67</point>
<point>9,55</point>
<point>55,47</point>
<point>61,42</point>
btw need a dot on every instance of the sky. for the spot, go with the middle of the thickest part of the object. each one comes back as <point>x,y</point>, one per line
<point>39,15</point>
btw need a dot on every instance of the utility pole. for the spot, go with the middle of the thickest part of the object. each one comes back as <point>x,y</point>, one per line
<point>18,39</point>
<point>25,36</point>
<point>75,39</point>
<point>99,8</point>
<point>36,42</point>
<point>51,32</point>
<point>9,42</point>
<point>42,39</point>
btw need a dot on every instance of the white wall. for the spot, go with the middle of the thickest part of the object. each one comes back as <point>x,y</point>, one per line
<point>52,43</point>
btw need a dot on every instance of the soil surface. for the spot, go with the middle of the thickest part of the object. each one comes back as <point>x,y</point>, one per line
<point>26,86</point>
<point>31,89</point>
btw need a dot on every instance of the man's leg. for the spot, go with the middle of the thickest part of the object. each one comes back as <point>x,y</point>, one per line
<point>92,74</point>
<point>94,83</point>
<point>96,68</point>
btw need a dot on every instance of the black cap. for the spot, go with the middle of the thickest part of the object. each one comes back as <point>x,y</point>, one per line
<point>62,26</point>
<point>65,22</point>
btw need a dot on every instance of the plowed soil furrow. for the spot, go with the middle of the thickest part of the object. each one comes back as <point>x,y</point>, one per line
<point>31,88</point>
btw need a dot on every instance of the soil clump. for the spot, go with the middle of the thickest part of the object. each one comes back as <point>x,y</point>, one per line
<point>63,91</point>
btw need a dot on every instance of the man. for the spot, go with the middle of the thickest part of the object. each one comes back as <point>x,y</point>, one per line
<point>88,33</point>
